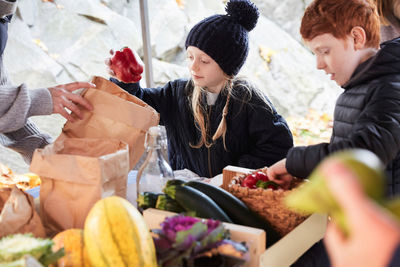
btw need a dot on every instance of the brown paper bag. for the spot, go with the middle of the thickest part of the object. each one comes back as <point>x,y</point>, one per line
<point>18,214</point>
<point>117,114</point>
<point>75,173</point>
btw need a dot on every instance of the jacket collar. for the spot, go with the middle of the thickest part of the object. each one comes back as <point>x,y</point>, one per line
<point>385,62</point>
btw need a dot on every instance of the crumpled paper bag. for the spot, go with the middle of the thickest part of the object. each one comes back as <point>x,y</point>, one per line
<point>18,214</point>
<point>75,173</point>
<point>117,115</point>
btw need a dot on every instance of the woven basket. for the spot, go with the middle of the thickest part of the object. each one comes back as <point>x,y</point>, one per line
<point>268,204</point>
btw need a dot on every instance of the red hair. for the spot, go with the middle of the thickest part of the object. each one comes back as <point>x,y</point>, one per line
<point>338,17</point>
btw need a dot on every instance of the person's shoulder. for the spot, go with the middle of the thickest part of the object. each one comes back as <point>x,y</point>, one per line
<point>177,85</point>
<point>387,86</point>
<point>383,88</point>
<point>392,42</point>
<point>178,82</point>
<point>390,50</point>
<point>248,94</point>
<point>380,83</point>
<point>251,92</point>
<point>244,89</point>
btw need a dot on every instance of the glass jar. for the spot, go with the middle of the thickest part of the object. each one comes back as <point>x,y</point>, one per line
<point>155,170</point>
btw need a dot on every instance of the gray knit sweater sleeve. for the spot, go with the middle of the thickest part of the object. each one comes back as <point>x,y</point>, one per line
<point>17,103</point>
<point>7,7</point>
<point>25,140</point>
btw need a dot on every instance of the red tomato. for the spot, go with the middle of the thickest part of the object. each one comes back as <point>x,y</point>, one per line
<point>262,176</point>
<point>250,181</point>
<point>125,66</point>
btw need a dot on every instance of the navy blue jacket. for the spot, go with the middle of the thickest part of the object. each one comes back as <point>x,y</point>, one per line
<point>257,136</point>
<point>395,260</point>
<point>367,115</point>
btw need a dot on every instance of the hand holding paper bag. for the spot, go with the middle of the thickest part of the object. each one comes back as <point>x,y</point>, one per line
<point>91,159</point>
<point>116,115</point>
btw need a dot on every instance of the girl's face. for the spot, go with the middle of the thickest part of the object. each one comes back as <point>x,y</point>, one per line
<point>204,70</point>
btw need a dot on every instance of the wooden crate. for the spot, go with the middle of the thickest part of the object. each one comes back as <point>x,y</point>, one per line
<point>283,253</point>
<point>287,250</point>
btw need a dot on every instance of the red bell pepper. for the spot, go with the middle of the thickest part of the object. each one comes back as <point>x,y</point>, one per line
<point>267,184</point>
<point>259,180</point>
<point>262,176</point>
<point>125,66</point>
<point>250,181</point>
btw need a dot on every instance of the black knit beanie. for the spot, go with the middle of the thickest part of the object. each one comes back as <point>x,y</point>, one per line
<point>225,37</point>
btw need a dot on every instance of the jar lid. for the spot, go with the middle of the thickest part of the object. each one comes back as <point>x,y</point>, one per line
<point>154,130</point>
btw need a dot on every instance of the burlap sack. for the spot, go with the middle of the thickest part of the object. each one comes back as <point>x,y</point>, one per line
<point>116,115</point>
<point>75,173</point>
<point>18,214</point>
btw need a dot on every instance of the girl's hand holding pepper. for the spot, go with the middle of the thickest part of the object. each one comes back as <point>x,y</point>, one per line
<point>125,65</point>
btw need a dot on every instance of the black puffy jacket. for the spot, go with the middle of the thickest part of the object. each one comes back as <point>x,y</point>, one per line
<point>367,115</point>
<point>257,136</point>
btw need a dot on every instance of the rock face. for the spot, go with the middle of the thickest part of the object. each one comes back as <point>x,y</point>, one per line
<point>286,13</point>
<point>55,43</point>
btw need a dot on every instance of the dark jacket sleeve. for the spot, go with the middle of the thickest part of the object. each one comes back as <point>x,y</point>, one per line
<point>395,261</point>
<point>301,160</point>
<point>160,98</point>
<point>377,129</point>
<point>269,133</point>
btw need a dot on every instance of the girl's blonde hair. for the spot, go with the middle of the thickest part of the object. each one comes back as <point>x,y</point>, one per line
<point>199,111</point>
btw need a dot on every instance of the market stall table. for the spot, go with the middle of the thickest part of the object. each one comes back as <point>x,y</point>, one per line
<point>283,253</point>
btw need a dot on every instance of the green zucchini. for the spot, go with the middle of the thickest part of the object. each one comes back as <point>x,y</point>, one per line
<point>147,200</point>
<point>193,200</point>
<point>164,202</point>
<point>236,209</point>
<point>174,182</point>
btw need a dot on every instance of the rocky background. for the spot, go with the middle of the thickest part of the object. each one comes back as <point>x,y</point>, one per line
<point>56,42</point>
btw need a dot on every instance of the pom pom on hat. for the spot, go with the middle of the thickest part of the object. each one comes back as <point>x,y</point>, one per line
<point>225,37</point>
<point>243,12</point>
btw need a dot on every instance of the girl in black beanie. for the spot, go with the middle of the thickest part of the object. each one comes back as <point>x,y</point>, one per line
<point>214,119</point>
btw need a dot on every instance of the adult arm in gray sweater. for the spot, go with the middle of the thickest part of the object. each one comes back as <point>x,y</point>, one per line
<point>18,132</point>
<point>18,103</point>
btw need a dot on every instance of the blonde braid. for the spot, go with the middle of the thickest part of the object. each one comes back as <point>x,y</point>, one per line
<point>221,130</point>
<point>198,114</point>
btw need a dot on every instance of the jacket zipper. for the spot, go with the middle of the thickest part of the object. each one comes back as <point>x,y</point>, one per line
<point>208,149</point>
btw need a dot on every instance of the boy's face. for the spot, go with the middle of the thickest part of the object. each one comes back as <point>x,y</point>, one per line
<point>204,70</point>
<point>337,57</point>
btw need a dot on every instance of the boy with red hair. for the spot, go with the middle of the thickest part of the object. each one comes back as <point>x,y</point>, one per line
<point>344,35</point>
